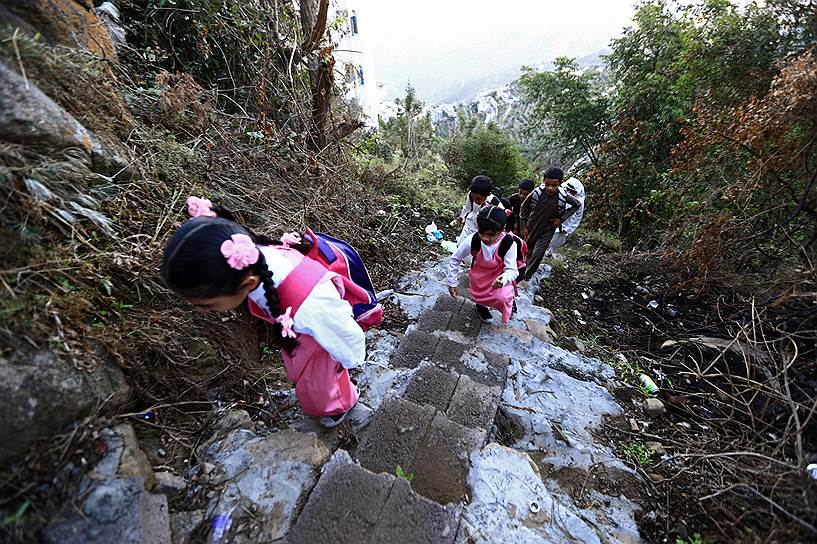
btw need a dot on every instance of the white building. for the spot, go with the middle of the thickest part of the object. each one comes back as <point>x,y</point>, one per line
<point>354,61</point>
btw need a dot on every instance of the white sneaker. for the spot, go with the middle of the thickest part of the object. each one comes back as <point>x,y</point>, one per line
<point>329,422</point>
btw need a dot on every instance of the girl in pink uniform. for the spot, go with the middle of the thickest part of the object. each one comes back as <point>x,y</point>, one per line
<point>216,264</point>
<point>493,272</point>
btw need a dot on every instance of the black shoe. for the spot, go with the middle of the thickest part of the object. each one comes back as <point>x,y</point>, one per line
<point>484,314</point>
<point>513,311</point>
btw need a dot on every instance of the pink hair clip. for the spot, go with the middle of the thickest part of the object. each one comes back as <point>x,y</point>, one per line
<point>200,207</point>
<point>290,239</point>
<point>240,251</point>
<point>286,322</point>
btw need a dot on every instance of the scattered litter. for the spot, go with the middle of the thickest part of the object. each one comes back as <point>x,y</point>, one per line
<point>148,416</point>
<point>534,507</point>
<point>672,311</point>
<point>433,234</point>
<point>653,304</point>
<point>641,289</point>
<point>648,384</point>
<point>622,358</point>
<point>812,471</point>
<point>386,294</point>
<point>381,212</point>
<point>704,412</point>
<point>449,246</point>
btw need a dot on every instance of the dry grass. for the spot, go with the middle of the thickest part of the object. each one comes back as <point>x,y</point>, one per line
<point>89,292</point>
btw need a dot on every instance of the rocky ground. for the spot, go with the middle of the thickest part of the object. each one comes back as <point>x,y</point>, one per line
<point>464,433</point>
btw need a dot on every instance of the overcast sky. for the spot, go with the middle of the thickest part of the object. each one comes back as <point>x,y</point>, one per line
<point>441,44</point>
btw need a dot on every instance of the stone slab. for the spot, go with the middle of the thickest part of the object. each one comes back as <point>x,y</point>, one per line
<point>466,321</point>
<point>445,303</point>
<point>351,505</point>
<point>432,321</point>
<point>441,464</point>
<point>410,519</point>
<point>345,505</point>
<point>473,404</point>
<point>481,366</point>
<point>433,386</point>
<point>415,347</point>
<point>394,435</point>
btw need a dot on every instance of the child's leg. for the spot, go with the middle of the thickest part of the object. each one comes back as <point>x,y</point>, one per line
<point>322,386</point>
<point>537,254</point>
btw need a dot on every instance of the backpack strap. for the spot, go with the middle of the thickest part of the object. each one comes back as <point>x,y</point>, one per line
<point>319,248</point>
<point>505,245</point>
<point>475,244</point>
<point>295,288</point>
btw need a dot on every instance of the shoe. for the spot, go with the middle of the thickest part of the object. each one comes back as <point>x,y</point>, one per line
<point>484,314</point>
<point>513,311</point>
<point>329,422</point>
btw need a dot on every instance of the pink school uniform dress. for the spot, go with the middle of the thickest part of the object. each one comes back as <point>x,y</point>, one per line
<point>486,268</point>
<point>330,341</point>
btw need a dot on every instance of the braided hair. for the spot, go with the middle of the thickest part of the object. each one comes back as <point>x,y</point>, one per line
<point>194,267</point>
<point>491,219</point>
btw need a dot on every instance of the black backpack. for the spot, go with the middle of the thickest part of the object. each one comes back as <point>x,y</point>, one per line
<point>504,246</point>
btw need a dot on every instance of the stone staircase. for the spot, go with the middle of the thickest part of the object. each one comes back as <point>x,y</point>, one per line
<point>431,432</point>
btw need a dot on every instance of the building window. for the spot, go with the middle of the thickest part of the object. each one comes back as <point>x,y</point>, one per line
<point>360,74</point>
<point>353,21</point>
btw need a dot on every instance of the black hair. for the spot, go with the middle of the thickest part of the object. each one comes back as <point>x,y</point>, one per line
<point>554,173</point>
<point>194,267</point>
<point>526,184</point>
<point>491,218</point>
<point>481,185</point>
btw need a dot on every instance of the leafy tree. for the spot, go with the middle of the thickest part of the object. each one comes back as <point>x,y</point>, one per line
<point>480,148</point>
<point>409,131</point>
<point>569,108</point>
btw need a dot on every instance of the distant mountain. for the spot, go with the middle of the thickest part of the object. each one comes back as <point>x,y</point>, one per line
<point>503,105</point>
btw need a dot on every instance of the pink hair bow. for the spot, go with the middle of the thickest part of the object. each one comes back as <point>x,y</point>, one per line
<point>198,207</point>
<point>240,251</point>
<point>286,322</point>
<point>290,239</point>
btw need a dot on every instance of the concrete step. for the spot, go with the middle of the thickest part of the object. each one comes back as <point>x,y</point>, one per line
<point>352,505</point>
<point>424,442</point>
<point>451,314</point>
<point>462,399</point>
<point>481,366</point>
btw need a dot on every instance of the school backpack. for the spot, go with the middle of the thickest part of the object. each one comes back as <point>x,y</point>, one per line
<point>504,246</point>
<point>333,255</point>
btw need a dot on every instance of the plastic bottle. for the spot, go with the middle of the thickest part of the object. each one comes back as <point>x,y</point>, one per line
<point>648,384</point>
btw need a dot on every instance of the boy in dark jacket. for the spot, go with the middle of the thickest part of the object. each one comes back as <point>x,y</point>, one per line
<point>541,214</point>
<point>516,200</point>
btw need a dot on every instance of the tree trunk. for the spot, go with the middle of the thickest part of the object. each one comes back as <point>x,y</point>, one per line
<point>320,65</point>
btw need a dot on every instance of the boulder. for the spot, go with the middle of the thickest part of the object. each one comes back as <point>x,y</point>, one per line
<point>263,480</point>
<point>29,117</point>
<point>72,23</point>
<point>41,393</point>
<point>119,511</point>
<point>541,330</point>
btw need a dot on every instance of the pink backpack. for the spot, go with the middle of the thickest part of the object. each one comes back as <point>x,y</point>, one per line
<point>329,255</point>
